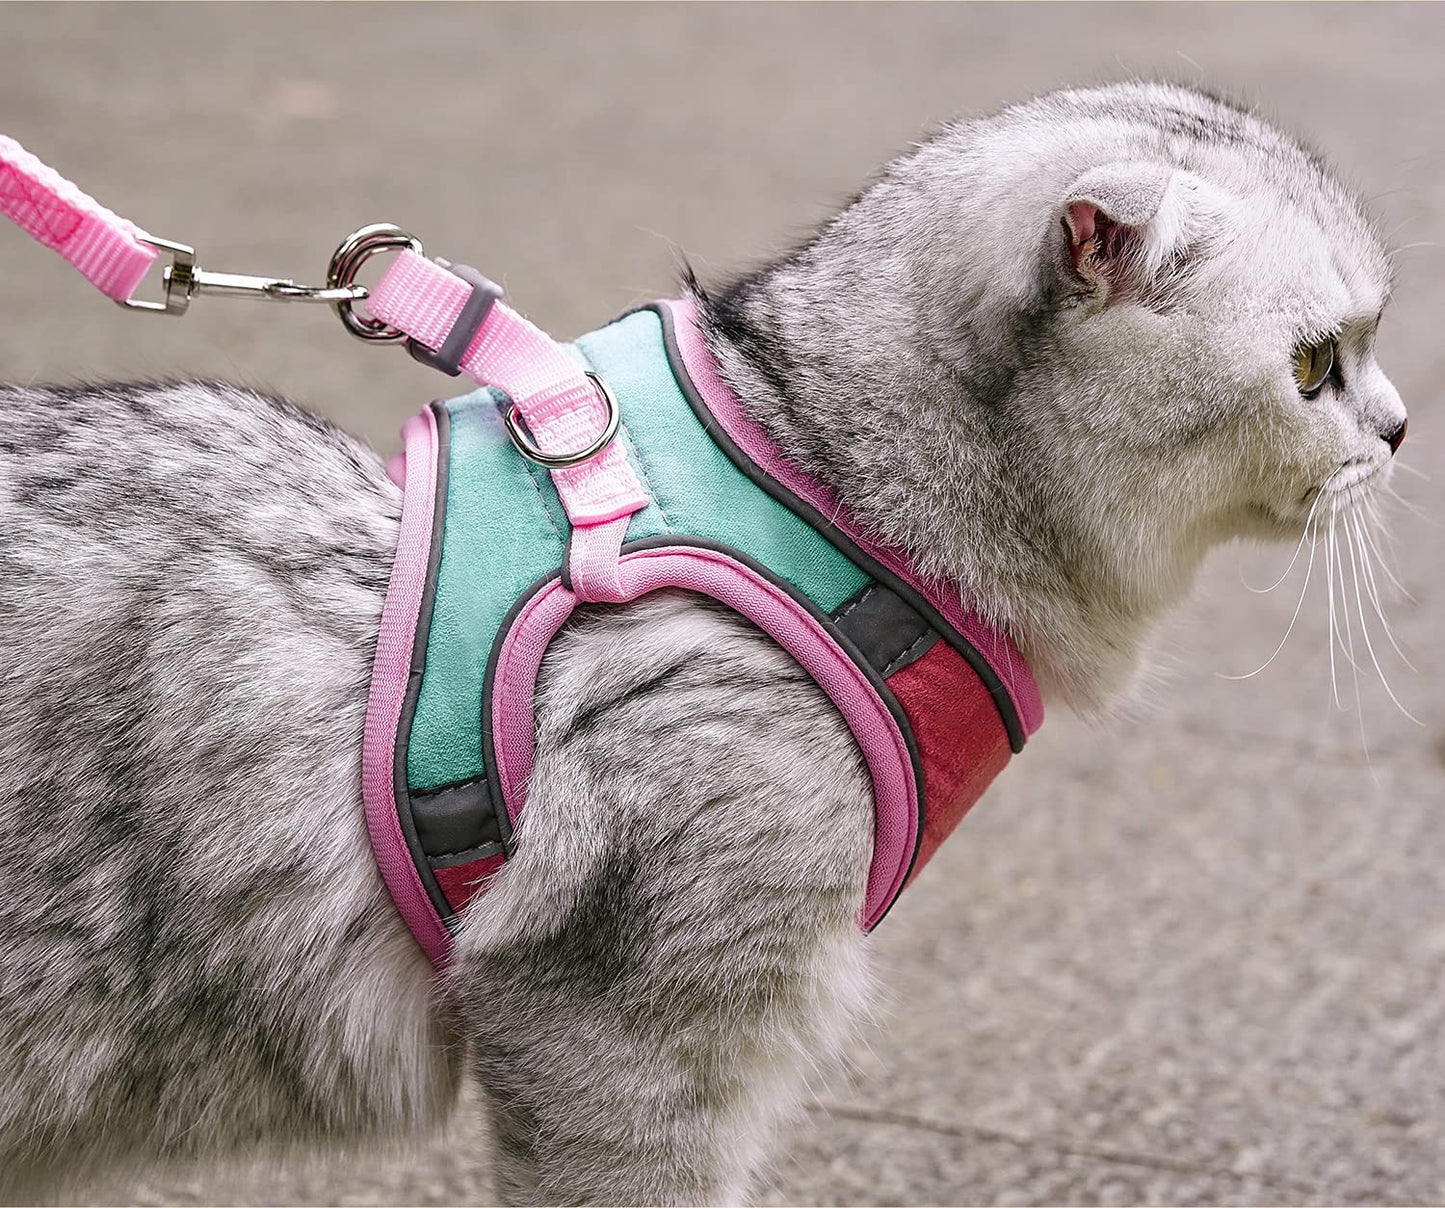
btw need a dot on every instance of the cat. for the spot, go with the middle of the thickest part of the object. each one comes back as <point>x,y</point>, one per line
<point>1056,354</point>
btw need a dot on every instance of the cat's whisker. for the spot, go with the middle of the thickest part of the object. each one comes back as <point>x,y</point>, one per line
<point>1389,237</point>
<point>1413,509</point>
<point>1259,591</point>
<point>1395,192</point>
<point>1363,518</point>
<point>1384,559</point>
<point>1349,643</point>
<point>1289,629</point>
<point>1341,614</point>
<point>1199,78</point>
<point>1359,702</point>
<point>1380,671</point>
<point>1373,590</point>
<point>1381,531</point>
<point>1347,639</point>
<point>1400,465</point>
<point>1330,591</point>
<point>1410,247</point>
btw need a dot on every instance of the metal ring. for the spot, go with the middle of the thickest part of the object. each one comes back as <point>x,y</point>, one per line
<point>355,250</point>
<point>558,461</point>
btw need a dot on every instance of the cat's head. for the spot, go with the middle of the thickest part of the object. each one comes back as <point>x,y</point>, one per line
<point>1100,332</point>
<point>1207,369</point>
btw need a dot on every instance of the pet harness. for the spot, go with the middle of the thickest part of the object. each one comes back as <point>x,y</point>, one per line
<point>686,491</point>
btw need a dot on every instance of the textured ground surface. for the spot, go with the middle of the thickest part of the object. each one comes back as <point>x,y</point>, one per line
<point>1193,959</point>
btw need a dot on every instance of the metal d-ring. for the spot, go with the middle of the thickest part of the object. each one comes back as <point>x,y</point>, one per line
<point>355,250</point>
<point>557,461</point>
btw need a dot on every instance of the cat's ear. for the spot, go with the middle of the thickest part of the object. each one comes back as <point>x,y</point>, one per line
<point>1107,220</point>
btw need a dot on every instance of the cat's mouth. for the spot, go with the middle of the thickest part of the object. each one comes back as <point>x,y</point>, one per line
<point>1340,491</point>
<point>1345,485</point>
<point>1353,481</point>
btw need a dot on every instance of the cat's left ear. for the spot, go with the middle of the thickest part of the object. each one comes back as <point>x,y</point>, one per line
<point>1110,223</point>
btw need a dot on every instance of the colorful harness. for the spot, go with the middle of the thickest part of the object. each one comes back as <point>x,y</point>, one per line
<point>495,554</point>
<point>493,559</point>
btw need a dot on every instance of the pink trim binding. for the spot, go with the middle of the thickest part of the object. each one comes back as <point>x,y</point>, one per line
<point>396,469</point>
<point>780,616</point>
<point>390,673</point>
<point>52,211</point>
<point>1002,655</point>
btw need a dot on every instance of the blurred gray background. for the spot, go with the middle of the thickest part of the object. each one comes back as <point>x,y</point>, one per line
<point>1193,957</point>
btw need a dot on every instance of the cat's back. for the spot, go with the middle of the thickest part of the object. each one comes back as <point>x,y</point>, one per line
<point>170,468</point>
<point>154,531</point>
<point>191,576</point>
<point>190,584</point>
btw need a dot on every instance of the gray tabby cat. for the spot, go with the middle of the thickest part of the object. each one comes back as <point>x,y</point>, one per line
<point>1057,354</point>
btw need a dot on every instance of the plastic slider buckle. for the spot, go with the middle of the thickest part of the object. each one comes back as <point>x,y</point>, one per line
<point>448,358</point>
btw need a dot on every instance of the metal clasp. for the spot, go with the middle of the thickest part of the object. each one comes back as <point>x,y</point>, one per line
<point>183,278</point>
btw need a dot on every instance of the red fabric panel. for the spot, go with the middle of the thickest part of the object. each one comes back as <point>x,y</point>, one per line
<point>462,883</point>
<point>961,739</point>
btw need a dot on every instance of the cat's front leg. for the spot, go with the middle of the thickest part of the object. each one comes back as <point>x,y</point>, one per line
<point>675,944</point>
<point>669,1090</point>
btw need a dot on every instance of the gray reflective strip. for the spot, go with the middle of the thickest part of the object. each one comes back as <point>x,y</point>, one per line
<point>458,858</point>
<point>889,633</point>
<point>454,817</point>
<point>448,358</point>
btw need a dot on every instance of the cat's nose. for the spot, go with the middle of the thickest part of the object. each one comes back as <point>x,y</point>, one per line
<point>1396,438</point>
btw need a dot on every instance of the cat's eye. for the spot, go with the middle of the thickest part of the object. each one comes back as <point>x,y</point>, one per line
<point>1312,365</point>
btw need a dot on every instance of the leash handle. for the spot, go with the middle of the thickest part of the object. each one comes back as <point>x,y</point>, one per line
<point>113,254</point>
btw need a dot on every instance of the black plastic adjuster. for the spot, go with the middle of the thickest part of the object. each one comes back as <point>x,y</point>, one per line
<point>448,358</point>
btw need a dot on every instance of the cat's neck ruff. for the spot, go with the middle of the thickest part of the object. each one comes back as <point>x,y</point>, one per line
<point>495,555</point>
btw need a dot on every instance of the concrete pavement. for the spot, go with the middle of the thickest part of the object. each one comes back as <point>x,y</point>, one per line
<point>1195,957</point>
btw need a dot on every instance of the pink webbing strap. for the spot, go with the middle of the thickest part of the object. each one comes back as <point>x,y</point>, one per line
<point>47,207</point>
<point>592,562</point>
<point>558,401</point>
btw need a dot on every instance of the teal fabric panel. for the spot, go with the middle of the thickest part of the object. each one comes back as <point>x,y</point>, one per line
<point>504,528</point>
<point>698,491</point>
<point>502,531</point>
